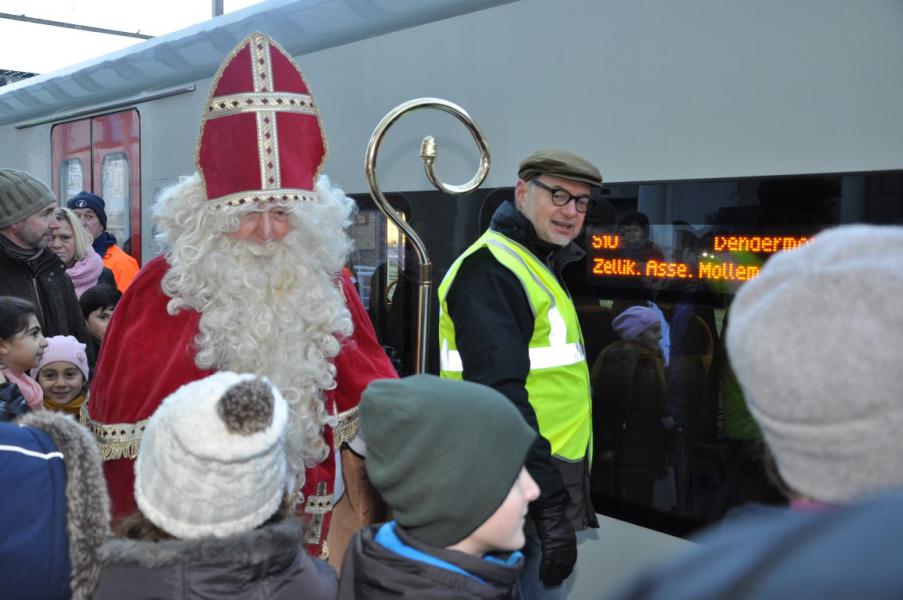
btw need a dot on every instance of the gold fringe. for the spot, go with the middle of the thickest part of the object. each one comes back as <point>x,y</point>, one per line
<point>116,441</point>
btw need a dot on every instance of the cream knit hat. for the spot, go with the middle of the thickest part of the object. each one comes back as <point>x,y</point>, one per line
<point>816,341</point>
<point>212,461</point>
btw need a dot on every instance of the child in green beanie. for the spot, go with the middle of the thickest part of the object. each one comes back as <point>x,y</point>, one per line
<point>448,457</point>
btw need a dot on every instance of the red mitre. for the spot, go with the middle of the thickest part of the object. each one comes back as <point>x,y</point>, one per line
<point>261,138</point>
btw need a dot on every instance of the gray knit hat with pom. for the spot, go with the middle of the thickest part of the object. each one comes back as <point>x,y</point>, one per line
<point>212,461</point>
<point>816,341</point>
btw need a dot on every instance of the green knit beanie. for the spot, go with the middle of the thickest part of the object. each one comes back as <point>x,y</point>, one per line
<point>21,196</point>
<point>443,454</point>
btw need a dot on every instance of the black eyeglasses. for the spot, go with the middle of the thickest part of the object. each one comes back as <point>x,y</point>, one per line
<point>561,197</point>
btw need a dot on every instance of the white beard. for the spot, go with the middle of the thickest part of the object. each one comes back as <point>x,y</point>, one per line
<point>274,309</point>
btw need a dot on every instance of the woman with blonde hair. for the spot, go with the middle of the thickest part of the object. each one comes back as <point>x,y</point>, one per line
<point>72,244</point>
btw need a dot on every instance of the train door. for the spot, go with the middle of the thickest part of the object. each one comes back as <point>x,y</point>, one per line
<point>102,155</point>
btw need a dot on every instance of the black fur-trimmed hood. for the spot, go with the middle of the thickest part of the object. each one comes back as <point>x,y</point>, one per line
<point>87,502</point>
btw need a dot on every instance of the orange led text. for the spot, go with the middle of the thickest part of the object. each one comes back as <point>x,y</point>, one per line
<point>606,242</point>
<point>615,266</point>
<point>756,243</point>
<point>676,270</point>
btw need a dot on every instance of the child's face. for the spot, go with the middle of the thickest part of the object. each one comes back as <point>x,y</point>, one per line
<point>651,337</point>
<point>61,381</point>
<point>24,350</point>
<point>98,319</point>
<point>504,530</point>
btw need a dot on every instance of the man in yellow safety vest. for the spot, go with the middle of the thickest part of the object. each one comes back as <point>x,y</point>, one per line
<point>507,321</point>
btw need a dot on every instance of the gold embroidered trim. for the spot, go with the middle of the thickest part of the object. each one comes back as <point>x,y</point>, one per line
<point>256,197</point>
<point>116,441</point>
<point>347,426</point>
<point>234,104</point>
<point>267,134</point>
<point>317,507</point>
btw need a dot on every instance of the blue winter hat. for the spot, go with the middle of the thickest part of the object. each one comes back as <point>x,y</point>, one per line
<point>92,201</point>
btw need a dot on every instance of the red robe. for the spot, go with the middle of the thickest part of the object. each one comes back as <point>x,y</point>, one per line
<point>148,354</point>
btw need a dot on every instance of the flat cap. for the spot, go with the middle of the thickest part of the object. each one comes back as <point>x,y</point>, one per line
<point>559,163</point>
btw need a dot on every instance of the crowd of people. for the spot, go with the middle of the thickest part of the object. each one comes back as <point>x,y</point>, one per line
<point>232,427</point>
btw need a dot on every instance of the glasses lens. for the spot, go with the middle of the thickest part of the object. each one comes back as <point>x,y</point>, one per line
<point>560,198</point>
<point>583,203</point>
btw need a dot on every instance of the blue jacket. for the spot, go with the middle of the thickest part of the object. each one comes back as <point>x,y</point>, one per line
<point>34,552</point>
<point>383,561</point>
<point>851,552</point>
<point>54,509</point>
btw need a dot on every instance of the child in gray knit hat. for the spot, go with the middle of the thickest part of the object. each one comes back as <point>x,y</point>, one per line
<point>448,457</point>
<point>816,341</point>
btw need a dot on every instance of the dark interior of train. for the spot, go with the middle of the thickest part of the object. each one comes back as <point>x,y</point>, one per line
<point>675,447</point>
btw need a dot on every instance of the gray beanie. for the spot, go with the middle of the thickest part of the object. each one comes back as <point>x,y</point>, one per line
<point>442,453</point>
<point>21,196</point>
<point>816,341</point>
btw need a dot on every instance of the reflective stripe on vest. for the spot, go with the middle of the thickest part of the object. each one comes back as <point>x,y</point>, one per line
<point>558,382</point>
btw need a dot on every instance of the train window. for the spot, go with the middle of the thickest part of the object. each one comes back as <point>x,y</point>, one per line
<point>72,177</point>
<point>115,188</point>
<point>675,446</point>
<point>379,263</point>
<point>70,155</point>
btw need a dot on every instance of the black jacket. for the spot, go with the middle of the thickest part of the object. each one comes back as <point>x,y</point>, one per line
<point>370,571</point>
<point>44,283</point>
<point>493,326</point>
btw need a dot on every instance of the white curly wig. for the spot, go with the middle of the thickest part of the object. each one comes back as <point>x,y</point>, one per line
<point>274,309</point>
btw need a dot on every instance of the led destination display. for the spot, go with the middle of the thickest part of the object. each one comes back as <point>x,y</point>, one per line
<point>729,258</point>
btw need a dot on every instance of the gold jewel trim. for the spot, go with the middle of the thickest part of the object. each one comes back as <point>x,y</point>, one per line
<point>117,440</point>
<point>259,198</point>
<point>347,426</point>
<point>267,133</point>
<point>317,507</point>
<point>235,104</point>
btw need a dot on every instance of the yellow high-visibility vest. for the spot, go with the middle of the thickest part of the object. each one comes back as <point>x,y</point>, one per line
<point>558,382</point>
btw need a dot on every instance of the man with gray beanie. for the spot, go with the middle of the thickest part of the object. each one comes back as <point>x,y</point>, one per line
<point>448,457</point>
<point>28,269</point>
<point>816,341</point>
<point>507,321</point>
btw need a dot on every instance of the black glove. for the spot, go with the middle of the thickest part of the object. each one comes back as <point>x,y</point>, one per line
<point>559,542</point>
<point>12,403</point>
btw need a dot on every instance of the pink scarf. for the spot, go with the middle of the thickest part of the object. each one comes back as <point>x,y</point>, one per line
<point>30,389</point>
<point>84,273</point>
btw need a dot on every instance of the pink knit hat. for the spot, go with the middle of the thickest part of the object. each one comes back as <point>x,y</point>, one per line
<point>634,321</point>
<point>63,348</point>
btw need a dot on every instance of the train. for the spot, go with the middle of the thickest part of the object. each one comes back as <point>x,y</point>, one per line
<point>727,131</point>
